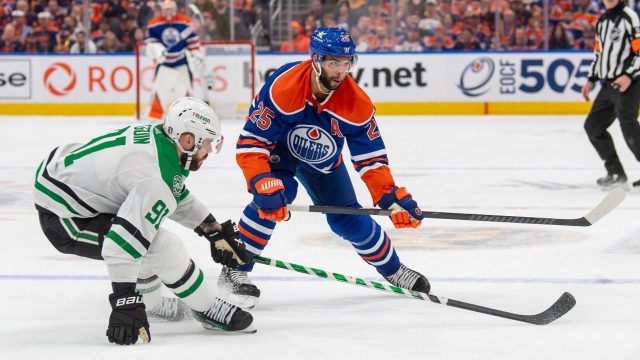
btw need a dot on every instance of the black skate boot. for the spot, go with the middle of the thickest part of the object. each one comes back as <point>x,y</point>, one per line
<point>170,309</point>
<point>242,291</point>
<point>636,185</point>
<point>225,316</point>
<point>612,179</point>
<point>409,279</point>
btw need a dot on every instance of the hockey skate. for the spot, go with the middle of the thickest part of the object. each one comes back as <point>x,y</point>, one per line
<point>170,309</point>
<point>225,316</point>
<point>241,290</point>
<point>611,180</point>
<point>409,279</point>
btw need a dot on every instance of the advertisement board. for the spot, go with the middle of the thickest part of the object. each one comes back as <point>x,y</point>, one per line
<point>425,83</point>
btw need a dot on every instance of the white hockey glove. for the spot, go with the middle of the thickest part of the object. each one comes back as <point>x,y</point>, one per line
<point>226,247</point>
<point>156,51</point>
<point>196,62</point>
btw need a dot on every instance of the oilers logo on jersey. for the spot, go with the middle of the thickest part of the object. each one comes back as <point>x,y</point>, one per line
<point>311,144</point>
<point>170,36</point>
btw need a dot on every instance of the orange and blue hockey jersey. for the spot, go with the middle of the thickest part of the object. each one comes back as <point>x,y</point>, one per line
<point>285,112</point>
<point>176,36</point>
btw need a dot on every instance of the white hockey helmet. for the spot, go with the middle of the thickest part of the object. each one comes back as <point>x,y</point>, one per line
<point>191,115</point>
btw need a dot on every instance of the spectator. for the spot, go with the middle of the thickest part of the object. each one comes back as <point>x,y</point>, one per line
<point>110,44</point>
<point>480,31</point>
<point>20,25</point>
<point>310,24</point>
<point>128,29</point>
<point>521,13</point>
<point>587,41</point>
<point>63,40</point>
<point>522,42</point>
<point>412,41</point>
<point>31,44</point>
<point>30,17</point>
<point>316,11</point>
<point>329,20</point>
<point>558,38</point>
<point>209,28</point>
<point>377,17</point>
<point>430,20</point>
<point>466,41</point>
<point>299,41</point>
<point>98,35</point>
<point>507,28</point>
<point>343,16</point>
<point>83,45</point>
<point>9,41</point>
<point>46,33</point>
<point>416,7</point>
<point>57,13</point>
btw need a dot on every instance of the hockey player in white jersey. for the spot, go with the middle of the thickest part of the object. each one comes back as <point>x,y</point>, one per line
<point>107,199</point>
<point>175,49</point>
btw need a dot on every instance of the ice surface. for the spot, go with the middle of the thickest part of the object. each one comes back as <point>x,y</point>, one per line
<point>54,306</point>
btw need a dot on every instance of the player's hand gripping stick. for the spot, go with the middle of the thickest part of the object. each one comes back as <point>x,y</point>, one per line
<point>226,247</point>
<point>406,213</point>
<point>268,196</point>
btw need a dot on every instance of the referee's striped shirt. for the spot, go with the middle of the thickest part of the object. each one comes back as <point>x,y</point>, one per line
<point>617,44</point>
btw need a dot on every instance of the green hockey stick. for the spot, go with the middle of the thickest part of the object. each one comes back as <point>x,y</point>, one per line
<point>565,303</point>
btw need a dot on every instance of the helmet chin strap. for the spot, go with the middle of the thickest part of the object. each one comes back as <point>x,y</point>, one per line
<point>320,82</point>
<point>185,160</point>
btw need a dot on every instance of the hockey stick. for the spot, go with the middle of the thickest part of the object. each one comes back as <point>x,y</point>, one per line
<point>565,303</point>
<point>613,199</point>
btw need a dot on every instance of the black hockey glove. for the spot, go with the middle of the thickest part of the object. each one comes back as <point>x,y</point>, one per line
<point>128,319</point>
<point>226,247</point>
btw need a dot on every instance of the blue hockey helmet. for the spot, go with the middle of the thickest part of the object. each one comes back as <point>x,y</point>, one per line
<point>329,41</point>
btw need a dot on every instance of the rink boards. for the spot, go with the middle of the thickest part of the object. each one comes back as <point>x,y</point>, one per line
<point>398,83</point>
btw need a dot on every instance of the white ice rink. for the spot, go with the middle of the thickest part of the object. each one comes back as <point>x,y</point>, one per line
<point>54,306</point>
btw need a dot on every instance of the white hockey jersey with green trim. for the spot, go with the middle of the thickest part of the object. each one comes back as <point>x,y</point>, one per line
<point>134,173</point>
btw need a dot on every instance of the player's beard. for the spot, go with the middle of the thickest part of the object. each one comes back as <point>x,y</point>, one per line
<point>196,163</point>
<point>326,82</point>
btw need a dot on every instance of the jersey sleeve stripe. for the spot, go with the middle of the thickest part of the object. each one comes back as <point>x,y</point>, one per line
<point>368,155</point>
<point>245,134</point>
<point>253,150</point>
<point>253,143</point>
<point>132,230</point>
<point>364,169</point>
<point>55,197</point>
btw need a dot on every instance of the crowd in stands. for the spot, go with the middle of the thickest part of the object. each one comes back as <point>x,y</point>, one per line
<point>59,26</point>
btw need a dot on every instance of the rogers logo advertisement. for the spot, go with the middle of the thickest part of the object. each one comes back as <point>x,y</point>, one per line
<point>60,79</point>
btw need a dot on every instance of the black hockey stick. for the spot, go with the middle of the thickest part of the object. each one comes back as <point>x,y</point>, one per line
<point>565,303</point>
<point>613,199</point>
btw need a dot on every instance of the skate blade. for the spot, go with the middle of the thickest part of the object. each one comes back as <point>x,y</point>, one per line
<point>249,330</point>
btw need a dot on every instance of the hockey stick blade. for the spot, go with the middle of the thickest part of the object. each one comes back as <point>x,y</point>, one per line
<point>565,303</point>
<point>613,199</point>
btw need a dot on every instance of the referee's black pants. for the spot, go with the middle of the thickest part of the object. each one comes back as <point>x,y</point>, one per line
<point>609,105</point>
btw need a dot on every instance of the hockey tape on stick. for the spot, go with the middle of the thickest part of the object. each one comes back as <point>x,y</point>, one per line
<point>565,303</point>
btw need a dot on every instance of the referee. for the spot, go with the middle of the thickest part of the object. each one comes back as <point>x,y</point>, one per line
<point>617,64</point>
